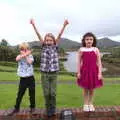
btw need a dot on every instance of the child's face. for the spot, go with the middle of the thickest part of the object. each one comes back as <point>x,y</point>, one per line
<point>49,40</point>
<point>89,41</point>
<point>22,51</point>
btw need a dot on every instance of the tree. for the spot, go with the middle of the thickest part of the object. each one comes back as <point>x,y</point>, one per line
<point>4,42</point>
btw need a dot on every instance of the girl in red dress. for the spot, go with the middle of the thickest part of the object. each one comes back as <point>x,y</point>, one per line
<point>89,72</point>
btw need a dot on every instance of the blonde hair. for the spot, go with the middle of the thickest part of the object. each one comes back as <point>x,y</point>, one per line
<point>24,46</point>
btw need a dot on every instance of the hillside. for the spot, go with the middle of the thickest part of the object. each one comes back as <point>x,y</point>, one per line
<point>71,45</point>
<point>106,42</point>
<point>64,43</point>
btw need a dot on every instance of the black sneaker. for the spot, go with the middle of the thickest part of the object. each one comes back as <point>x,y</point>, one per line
<point>13,112</point>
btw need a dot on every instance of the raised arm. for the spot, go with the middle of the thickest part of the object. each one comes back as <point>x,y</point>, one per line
<point>62,30</point>
<point>36,31</point>
<point>99,64</point>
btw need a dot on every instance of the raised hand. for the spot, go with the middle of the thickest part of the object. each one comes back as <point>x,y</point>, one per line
<point>36,31</point>
<point>32,21</point>
<point>66,22</point>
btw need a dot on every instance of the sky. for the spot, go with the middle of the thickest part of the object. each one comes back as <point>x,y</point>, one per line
<point>102,17</point>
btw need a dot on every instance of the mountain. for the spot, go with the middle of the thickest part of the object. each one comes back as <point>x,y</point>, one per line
<point>69,44</point>
<point>35,44</point>
<point>106,42</point>
<point>64,43</point>
<point>72,45</point>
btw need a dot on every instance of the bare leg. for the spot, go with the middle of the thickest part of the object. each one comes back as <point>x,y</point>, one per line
<point>86,96</point>
<point>91,95</point>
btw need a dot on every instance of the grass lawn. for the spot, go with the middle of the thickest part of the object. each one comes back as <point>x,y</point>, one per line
<point>12,76</point>
<point>7,68</point>
<point>68,95</point>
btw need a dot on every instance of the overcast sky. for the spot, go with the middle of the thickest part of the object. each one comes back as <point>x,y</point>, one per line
<point>102,17</point>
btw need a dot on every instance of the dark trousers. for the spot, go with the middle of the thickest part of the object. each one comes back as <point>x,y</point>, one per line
<point>26,82</point>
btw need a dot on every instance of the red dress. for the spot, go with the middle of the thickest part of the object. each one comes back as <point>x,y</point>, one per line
<point>89,70</point>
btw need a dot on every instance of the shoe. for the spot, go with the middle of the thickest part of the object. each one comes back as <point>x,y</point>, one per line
<point>86,108</point>
<point>32,110</point>
<point>51,112</point>
<point>13,112</point>
<point>92,108</point>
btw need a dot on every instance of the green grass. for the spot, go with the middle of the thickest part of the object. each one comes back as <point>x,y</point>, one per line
<point>6,76</point>
<point>69,95</point>
<point>7,68</point>
<point>112,78</point>
<point>12,76</point>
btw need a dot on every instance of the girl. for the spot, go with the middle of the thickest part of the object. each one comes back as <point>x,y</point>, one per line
<point>89,73</point>
<point>49,66</point>
<point>25,72</point>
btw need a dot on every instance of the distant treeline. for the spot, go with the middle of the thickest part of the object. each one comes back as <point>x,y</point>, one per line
<point>9,53</point>
<point>113,58</point>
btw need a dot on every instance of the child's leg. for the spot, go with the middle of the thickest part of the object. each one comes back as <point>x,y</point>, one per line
<point>91,95</point>
<point>86,96</point>
<point>21,91</point>
<point>32,92</point>
<point>53,83</point>
<point>46,88</point>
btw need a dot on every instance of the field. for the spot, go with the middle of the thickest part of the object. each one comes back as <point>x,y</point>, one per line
<point>68,93</point>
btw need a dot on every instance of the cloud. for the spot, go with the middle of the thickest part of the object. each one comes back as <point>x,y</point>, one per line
<point>100,17</point>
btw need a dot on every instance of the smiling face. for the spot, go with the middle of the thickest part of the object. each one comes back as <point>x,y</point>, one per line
<point>49,39</point>
<point>89,41</point>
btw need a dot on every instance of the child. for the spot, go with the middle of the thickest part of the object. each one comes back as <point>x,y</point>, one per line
<point>89,71</point>
<point>49,66</point>
<point>25,72</point>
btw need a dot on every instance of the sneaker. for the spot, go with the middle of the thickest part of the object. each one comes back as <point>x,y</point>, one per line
<point>92,108</point>
<point>13,112</point>
<point>86,108</point>
<point>51,112</point>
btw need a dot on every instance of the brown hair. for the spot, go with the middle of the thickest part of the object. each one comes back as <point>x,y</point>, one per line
<point>50,35</point>
<point>89,34</point>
